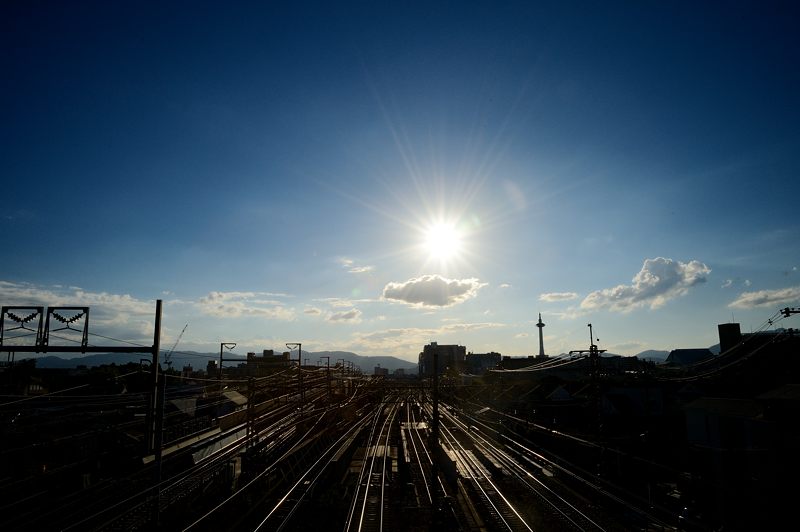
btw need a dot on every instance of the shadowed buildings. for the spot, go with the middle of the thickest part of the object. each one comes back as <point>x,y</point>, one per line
<point>450,357</point>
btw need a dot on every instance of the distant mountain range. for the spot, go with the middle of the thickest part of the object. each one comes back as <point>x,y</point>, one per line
<point>367,363</point>
<point>653,355</point>
<point>199,360</point>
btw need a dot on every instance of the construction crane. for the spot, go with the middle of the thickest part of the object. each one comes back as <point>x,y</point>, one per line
<point>168,356</point>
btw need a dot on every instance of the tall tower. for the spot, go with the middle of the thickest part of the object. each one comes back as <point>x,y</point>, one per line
<point>541,336</point>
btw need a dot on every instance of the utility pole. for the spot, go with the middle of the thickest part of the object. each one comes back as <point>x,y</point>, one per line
<point>435,392</point>
<point>435,435</point>
<point>594,370</point>
<point>594,358</point>
<point>157,414</point>
<point>327,373</point>
<point>153,435</point>
<point>299,346</point>
<point>229,346</point>
<point>251,397</point>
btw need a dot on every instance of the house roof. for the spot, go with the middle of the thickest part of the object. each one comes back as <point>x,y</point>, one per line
<point>187,405</point>
<point>235,397</point>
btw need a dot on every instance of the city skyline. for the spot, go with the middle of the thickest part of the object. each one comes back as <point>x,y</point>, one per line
<point>371,179</point>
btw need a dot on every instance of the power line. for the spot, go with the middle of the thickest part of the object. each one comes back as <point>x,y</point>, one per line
<point>43,395</point>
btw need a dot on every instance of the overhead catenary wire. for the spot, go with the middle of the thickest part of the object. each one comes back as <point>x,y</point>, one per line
<point>33,397</point>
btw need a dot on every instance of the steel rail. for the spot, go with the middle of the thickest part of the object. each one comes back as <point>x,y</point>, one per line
<point>513,466</point>
<point>354,503</point>
<point>411,420</point>
<point>471,464</point>
<point>333,449</point>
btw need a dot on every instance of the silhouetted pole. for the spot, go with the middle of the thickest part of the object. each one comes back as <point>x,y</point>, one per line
<point>151,432</point>
<point>299,346</point>
<point>229,346</point>
<point>435,390</point>
<point>435,437</point>
<point>594,357</point>
<point>251,396</point>
<point>156,431</point>
<point>328,373</point>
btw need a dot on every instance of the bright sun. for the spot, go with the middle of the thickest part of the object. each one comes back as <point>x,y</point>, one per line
<point>443,241</point>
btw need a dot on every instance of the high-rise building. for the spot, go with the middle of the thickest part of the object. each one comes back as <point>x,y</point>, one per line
<point>479,363</point>
<point>730,334</point>
<point>450,357</point>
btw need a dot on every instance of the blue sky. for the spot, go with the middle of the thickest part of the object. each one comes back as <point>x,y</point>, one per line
<point>274,172</point>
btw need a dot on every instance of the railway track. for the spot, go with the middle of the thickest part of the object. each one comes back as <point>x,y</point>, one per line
<point>368,502</point>
<point>569,516</point>
<point>280,517</point>
<point>499,511</point>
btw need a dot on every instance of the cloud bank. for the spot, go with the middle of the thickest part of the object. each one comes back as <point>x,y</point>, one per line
<point>766,298</point>
<point>659,281</point>
<point>432,291</point>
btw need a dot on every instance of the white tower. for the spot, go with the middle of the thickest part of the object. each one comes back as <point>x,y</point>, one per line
<point>541,336</point>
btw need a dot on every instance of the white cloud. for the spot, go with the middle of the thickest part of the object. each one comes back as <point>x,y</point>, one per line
<point>353,316</point>
<point>238,304</point>
<point>569,313</point>
<point>408,342</point>
<point>340,302</point>
<point>29,294</point>
<point>766,298</point>
<point>312,311</point>
<point>452,327</point>
<point>659,281</point>
<point>522,335</point>
<point>505,285</point>
<point>558,296</point>
<point>349,264</point>
<point>731,282</point>
<point>432,291</point>
<point>393,341</point>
